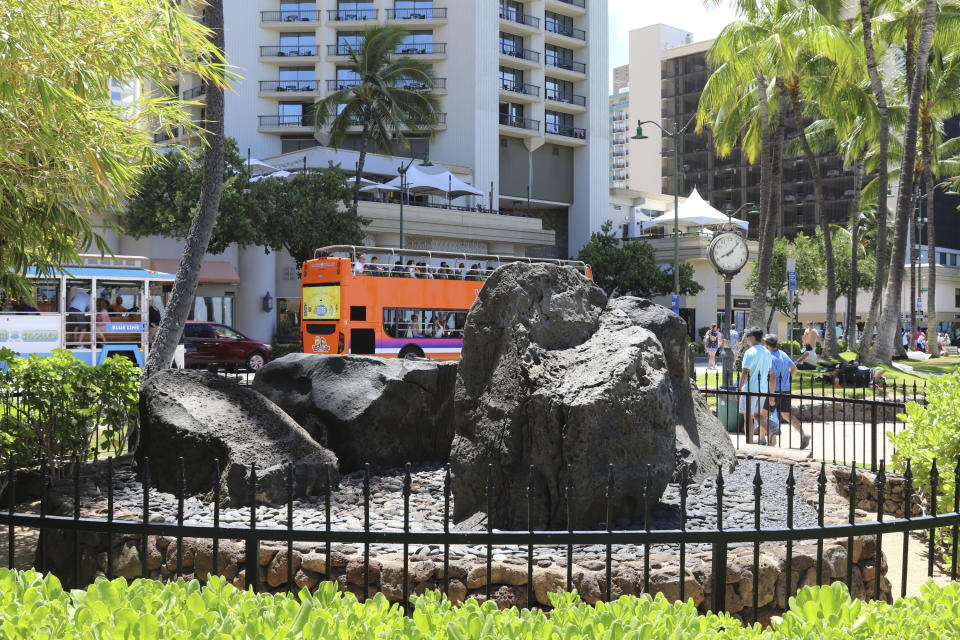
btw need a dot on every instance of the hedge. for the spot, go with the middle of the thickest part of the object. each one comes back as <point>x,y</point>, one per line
<point>35,607</point>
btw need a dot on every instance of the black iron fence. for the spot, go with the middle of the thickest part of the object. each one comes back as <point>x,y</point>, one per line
<point>71,528</point>
<point>840,420</point>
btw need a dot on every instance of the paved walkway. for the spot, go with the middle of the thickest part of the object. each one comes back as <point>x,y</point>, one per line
<point>843,442</point>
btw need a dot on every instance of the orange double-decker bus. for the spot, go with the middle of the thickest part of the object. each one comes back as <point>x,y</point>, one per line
<point>394,302</point>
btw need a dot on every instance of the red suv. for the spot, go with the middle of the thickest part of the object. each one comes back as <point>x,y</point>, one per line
<point>212,343</point>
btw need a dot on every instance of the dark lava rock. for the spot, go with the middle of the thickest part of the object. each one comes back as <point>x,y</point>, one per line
<point>201,416</point>
<point>383,411</point>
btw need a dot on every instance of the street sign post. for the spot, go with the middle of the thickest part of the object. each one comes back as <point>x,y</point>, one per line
<point>791,274</point>
<point>675,302</point>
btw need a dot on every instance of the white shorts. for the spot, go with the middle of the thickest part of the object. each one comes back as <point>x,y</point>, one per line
<point>754,404</point>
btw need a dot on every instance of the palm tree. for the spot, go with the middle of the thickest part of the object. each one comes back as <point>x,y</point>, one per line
<point>201,229</point>
<point>917,66</point>
<point>388,97</point>
<point>940,101</point>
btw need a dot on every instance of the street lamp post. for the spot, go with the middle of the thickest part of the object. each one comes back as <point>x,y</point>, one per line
<point>402,170</point>
<point>726,358</point>
<point>676,135</point>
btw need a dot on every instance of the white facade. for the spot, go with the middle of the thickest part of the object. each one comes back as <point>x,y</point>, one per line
<point>537,148</point>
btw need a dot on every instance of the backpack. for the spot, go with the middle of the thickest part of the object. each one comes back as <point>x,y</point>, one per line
<point>852,375</point>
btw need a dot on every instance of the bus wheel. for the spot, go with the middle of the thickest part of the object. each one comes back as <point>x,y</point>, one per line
<point>411,351</point>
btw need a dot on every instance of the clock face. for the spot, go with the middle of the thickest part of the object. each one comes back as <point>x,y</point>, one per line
<point>730,252</point>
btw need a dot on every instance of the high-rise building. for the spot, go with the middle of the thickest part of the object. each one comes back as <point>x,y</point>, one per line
<point>619,139</point>
<point>621,78</point>
<point>523,87</point>
<point>672,72</point>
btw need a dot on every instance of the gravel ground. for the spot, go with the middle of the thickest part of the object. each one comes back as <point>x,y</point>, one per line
<point>426,509</point>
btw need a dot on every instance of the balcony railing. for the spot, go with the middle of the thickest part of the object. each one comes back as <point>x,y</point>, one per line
<point>570,65</point>
<point>292,120</point>
<point>520,123</point>
<point>569,132</point>
<point>197,91</point>
<point>571,32</point>
<point>415,85</point>
<point>351,15</point>
<point>509,49</point>
<point>421,48</point>
<point>290,51</point>
<point>520,87</point>
<point>290,16</point>
<point>426,13</point>
<point>288,85</point>
<point>520,18</point>
<point>577,3</point>
<point>343,49</point>
<point>566,98</point>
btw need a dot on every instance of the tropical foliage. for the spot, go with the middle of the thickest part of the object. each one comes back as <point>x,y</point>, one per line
<point>298,214</point>
<point>33,605</point>
<point>66,148</point>
<point>631,268</point>
<point>391,97</point>
<point>872,86</point>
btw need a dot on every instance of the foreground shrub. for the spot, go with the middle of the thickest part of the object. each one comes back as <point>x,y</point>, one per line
<point>33,606</point>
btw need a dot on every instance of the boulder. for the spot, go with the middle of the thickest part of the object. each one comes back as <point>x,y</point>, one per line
<point>201,416</point>
<point>702,442</point>
<point>553,378</point>
<point>402,406</point>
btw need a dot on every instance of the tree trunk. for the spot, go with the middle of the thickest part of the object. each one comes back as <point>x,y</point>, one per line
<point>880,250</point>
<point>890,318</point>
<point>829,327</point>
<point>914,243</point>
<point>362,157</point>
<point>850,334</point>
<point>933,348</point>
<point>195,245</point>
<point>758,308</point>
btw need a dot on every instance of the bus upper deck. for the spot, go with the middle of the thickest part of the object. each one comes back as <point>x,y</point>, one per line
<point>394,302</point>
<point>98,309</point>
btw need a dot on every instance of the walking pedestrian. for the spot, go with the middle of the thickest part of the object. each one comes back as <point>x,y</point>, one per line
<point>783,370</point>
<point>735,341</point>
<point>711,342</point>
<point>755,379</point>
<point>811,337</point>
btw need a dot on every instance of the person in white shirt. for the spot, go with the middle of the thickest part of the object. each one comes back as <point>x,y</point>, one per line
<point>359,265</point>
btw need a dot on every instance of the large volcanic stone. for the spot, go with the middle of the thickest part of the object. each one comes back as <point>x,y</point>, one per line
<point>702,442</point>
<point>201,416</point>
<point>366,409</point>
<point>551,377</point>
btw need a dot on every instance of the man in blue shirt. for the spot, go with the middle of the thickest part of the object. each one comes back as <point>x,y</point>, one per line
<point>782,370</point>
<point>755,378</point>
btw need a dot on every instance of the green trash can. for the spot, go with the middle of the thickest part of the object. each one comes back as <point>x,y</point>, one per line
<point>728,409</point>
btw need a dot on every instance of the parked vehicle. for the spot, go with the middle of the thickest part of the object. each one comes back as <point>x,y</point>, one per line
<point>212,343</point>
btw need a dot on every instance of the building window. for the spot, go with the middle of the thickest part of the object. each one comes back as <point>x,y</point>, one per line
<point>347,40</point>
<point>288,320</point>
<point>212,309</point>
<point>295,10</point>
<point>956,298</point>
<point>559,90</point>
<point>953,259</point>
<point>558,123</point>
<point>347,78</point>
<point>289,144</point>
<point>556,23</point>
<point>417,42</point>
<point>511,114</point>
<point>511,79</point>
<point>294,114</point>
<point>943,258</point>
<point>510,44</point>
<point>298,44</point>
<point>558,56</point>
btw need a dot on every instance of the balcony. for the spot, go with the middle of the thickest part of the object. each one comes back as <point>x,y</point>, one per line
<point>289,18</point>
<point>552,26</point>
<point>293,123</point>
<point>566,101</point>
<point>195,93</point>
<point>425,14</point>
<point>163,136</point>
<point>421,49</point>
<point>566,132</point>
<point>528,57</point>
<point>289,51</point>
<point>567,68</point>
<point>574,8</point>
<point>283,88</point>
<point>531,91</point>
<point>526,127</point>
<point>532,23</point>
<point>437,85</point>
<point>351,15</point>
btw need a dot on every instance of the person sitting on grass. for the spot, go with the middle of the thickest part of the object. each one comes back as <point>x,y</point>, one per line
<point>807,360</point>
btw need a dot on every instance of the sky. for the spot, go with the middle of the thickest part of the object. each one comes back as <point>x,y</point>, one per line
<point>689,15</point>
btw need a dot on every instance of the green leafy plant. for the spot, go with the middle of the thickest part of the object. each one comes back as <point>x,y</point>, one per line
<point>933,433</point>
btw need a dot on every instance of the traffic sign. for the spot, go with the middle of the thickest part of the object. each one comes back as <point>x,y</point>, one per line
<point>675,302</point>
<point>791,274</point>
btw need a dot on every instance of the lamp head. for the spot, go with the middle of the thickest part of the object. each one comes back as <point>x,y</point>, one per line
<point>755,209</point>
<point>639,135</point>
<point>426,160</point>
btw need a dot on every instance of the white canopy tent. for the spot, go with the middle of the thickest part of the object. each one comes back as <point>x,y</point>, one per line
<point>259,167</point>
<point>695,212</point>
<point>428,180</point>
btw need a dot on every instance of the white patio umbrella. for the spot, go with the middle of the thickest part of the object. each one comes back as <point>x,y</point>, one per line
<point>277,173</point>
<point>695,212</point>
<point>259,167</point>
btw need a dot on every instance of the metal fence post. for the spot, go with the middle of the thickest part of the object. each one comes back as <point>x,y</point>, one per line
<point>719,555</point>
<point>873,437</point>
<point>252,551</point>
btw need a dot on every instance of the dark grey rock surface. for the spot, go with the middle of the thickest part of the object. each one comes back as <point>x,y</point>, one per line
<point>366,409</point>
<point>201,417</point>
<point>552,378</point>
<point>702,442</point>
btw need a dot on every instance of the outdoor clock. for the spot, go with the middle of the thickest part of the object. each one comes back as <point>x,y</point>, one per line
<point>728,253</point>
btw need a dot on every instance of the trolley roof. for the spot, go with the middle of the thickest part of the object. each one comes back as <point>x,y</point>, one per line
<point>354,250</point>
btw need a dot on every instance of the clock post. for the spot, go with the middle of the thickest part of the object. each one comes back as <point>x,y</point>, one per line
<point>726,360</point>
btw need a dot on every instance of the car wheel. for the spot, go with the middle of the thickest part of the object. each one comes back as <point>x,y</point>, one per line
<point>255,360</point>
<point>411,351</point>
